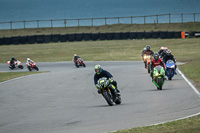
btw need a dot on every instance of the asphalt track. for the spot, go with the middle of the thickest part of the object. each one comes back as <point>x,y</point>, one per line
<point>65,100</point>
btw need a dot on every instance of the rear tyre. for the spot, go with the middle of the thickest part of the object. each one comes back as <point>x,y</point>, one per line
<point>36,68</point>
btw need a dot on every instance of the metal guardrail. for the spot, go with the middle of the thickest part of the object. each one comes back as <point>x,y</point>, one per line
<point>150,19</point>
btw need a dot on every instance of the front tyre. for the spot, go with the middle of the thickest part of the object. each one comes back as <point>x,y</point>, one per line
<point>118,100</point>
<point>170,74</point>
<point>160,83</point>
<point>29,68</point>
<point>21,67</point>
<point>84,65</point>
<point>108,98</point>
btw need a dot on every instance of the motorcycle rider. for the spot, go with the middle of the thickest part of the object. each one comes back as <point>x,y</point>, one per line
<point>75,58</point>
<point>155,62</point>
<point>100,73</point>
<point>169,56</point>
<point>12,61</point>
<point>148,51</point>
<point>28,61</point>
<point>162,49</point>
<point>144,49</point>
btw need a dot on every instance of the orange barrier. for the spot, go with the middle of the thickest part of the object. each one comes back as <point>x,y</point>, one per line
<point>183,34</point>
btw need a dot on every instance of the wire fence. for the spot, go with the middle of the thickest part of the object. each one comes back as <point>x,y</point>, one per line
<point>151,19</point>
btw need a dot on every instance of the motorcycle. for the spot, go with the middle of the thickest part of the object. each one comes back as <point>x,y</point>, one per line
<point>32,66</point>
<point>148,62</point>
<point>107,93</point>
<point>17,64</point>
<point>159,77</point>
<point>79,62</point>
<point>170,69</point>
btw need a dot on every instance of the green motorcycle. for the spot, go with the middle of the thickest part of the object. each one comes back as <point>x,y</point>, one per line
<point>159,77</point>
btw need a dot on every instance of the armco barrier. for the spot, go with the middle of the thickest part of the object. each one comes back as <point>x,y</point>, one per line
<point>102,36</point>
<point>7,40</point>
<point>1,41</point>
<point>125,35</point>
<point>16,40</point>
<point>163,35</point>
<point>140,35</point>
<point>155,35</point>
<point>170,34</point>
<point>23,39</point>
<point>55,38</point>
<point>133,35</point>
<point>47,38</point>
<point>177,34</point>
<point>147,35</point>
<point>39,38</point>
<point>117,36</point>
<point>95,36</point>
<point>78,37</point>
<point>31,39</point>
<point>63,38</point>
<point>71,37</point>
<point>109,36</point>
<point>87,36</point>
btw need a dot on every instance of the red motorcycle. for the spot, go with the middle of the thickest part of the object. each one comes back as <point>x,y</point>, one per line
<point>32,66</point>
<point>79,62</point>
<point>17,64</point>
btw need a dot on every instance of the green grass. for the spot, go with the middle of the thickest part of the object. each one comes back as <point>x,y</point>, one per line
<point>115,50</point>
<point>189,125</point>
<point>10,75</point>
<point>105,28</point>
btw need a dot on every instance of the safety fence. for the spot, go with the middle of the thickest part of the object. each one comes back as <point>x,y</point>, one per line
<point>161,18</point>
<point>94,36</point>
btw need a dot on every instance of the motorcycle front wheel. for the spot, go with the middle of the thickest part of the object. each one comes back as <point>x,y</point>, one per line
<point>108,98</point>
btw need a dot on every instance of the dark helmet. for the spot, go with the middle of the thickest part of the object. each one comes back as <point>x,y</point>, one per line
<point>156,56</point>
<point>168,52</point>
<point>13,58</point>
<point>148,48</point>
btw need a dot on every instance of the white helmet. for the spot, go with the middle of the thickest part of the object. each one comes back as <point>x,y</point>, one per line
<point>144,48</point>
<point>75,54</point>
<point>28,59</point>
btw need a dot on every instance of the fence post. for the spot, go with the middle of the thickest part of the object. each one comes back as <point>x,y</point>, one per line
<point>51,23</point>
<point>182,18</point>
<point>92,21</point>
<point>78,23</point>
<point>194,17</point>
<point>131,20</point>
<point>65,22</point>
<point>105,21</point>
<point>24,24</point>
<point>157,18</point>
<point>118,20</point>
<point>10,25</point>
<point>38,24</point>
<point>169,18</point>
<point>144,20</point>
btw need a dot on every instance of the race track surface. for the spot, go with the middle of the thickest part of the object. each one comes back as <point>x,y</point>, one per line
<point>65,100</point>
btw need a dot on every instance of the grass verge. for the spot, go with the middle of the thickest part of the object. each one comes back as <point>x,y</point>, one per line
<point>189,125</point>
<point>10,75</point>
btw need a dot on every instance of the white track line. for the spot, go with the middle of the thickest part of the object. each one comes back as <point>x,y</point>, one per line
<point>192,86</point>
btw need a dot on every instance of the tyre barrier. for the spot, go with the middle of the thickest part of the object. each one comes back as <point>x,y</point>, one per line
<point>95,36</point>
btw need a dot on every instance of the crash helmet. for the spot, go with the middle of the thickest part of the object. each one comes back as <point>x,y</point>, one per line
<point>28,59</point>
<point>168,52</point>
<point>13,58</point>
<point>75,54</point>
<point>144,48</point>
<point>98,69</point>
<point>148,47</point>
<point>156,56</point>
